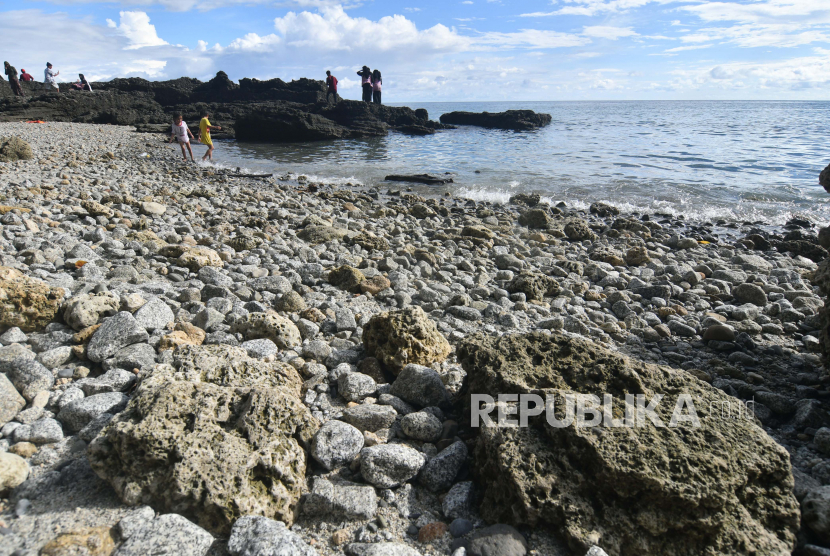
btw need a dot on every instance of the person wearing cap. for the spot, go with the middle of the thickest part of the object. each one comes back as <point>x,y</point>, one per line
<point>49,77</point>
<point>11,73</point>
<point>366,80</point>
<point>25,76</point>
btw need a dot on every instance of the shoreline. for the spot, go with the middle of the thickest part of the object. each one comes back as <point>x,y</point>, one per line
<point>89,216</point>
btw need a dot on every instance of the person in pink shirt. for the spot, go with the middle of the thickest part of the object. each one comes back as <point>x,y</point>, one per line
<point>366,80</point>
<point>377,80</point>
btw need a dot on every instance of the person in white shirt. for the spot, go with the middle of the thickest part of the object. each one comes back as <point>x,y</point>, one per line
<point>180,132</point>
<point>49,77</point>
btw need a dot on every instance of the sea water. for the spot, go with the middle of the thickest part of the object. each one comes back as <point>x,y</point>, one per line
<point>707,160</point>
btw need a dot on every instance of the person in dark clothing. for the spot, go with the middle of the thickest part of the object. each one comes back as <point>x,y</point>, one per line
<point>331,84</point>
<point>377,80</point>
<point>11,72</point>
<point>366,79</point>
<point>82,84</point>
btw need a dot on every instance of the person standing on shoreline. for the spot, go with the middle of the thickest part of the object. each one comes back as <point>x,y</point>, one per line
<point>49,77</point>
<point>179,132</point>
<point>11,72</point>
<point>204,134</point>
<point>366,80</point>
<point>377,80</point>
<point>331,84</point>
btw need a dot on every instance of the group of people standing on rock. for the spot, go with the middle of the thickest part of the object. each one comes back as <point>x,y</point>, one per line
<point>49,80</point>
<point>371,81</point>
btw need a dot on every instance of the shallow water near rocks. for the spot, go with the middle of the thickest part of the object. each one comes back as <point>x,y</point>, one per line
<point>707,160</point>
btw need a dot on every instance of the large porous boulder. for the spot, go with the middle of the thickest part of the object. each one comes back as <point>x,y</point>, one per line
<point>196,258</point>
<point>231,366</point>
<point>27,303</point>
<point>88,309</point>
<point>270,325</point>
<point>210,452</point>
<point>534,285</point>
<point>536,219</point>
<point>399,338</point>
<point>722,487</point>
<point>14,148</point>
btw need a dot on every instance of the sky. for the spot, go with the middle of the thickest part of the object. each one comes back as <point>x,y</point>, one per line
<point>443,50</point>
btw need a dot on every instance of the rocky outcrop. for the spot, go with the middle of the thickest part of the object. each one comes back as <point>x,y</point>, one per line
<point>25,302</point>
<point>516,120</point>
<point>723,487</point>
<point>399,338</point>
<point>252,110</point>
<point>824,178</point>
<point>186,432</point>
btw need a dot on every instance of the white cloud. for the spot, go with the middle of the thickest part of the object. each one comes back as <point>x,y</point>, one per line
<point>530,38</point>
<point>685,48</point>
<point>758,35</point>
<point>595,7</point>
<point>607,32</point>
<point>772,11</point>
<point>137,28</point>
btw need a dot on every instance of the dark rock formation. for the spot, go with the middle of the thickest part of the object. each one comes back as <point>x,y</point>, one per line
<point>517,120</point>
<point>824,179</point>
<point>420,178</point>
<point>254,110</point>
<point>723,487</point>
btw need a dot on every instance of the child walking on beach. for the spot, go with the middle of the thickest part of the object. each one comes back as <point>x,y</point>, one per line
<point>179,132</point>
<point>204,134</point>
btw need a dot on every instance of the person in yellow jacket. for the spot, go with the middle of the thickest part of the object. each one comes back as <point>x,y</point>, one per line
<point>204,134</point>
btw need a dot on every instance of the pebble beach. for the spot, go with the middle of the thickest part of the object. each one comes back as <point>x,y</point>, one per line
<point>182,325</point>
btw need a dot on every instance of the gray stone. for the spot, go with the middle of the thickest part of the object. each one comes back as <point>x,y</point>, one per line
<point>11,402</point>
<point>460,527</point>
<point>260,536</point>
<point>76,415</point>
<point>440,472</point>
<point>370,417</point>
<point>13,336</point>
<point>12,352</point>
<point>167,535</point>
<point>154,315</point>
<point>815,512</point>
<point>260,348</point>
<point>750,293</point>
<point>136,356</point>
<point>596,551</point>
<point>420,386</point>
<point>214,277</point>
<point>336,501</point>
<point>29,416</point>
<point>273,284</point>
<point>390,465</point>
<point>380,549</point>
<point>45,431</point>
<point>29,377</point>
<point>88,309</point>
<point>680,329</point>
<point>54,358</point>
<point>356,386</point>
<point>336,444</point>
<point>114,380</point>
<point>822,440</point>
<point>465,313</point>
<point>91,430</point>
<point>731,276</point>
<point>344,320</point>
<point>317,350</point>
<point>458,503</point>
<point>308,330</point>
<point>398,404</point>
<point>208,318</point>
<point>422,426</point>
<point>496,540</point>
<point>135,521</point>
<point>117,332</point>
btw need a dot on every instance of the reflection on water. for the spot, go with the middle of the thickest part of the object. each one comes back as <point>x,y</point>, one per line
<point>745,160</point>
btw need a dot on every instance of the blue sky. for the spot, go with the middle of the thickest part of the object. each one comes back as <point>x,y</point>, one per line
<point>450,50</point>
